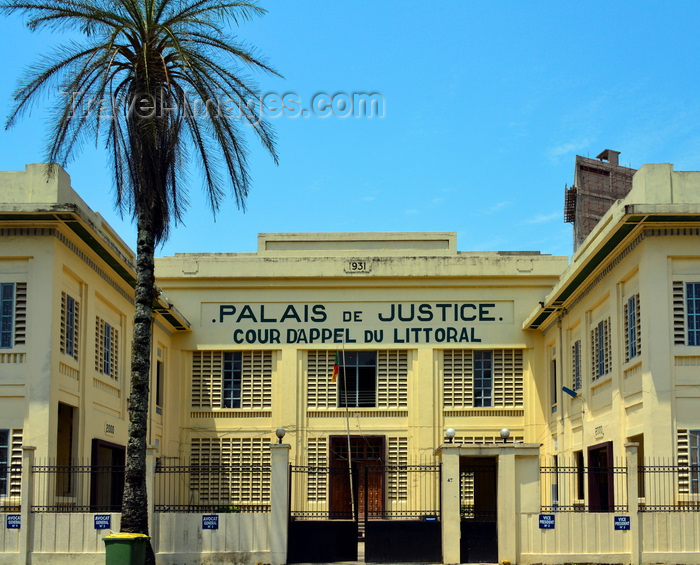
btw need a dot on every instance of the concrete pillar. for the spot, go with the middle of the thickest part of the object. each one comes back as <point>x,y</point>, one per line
<point>27,518</point>
<point>633,502</point>
<point>450,518</point>
<point>279,501</point>
<point>507,511</point>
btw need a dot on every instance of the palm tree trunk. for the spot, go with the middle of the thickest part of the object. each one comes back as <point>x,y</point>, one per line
<point>135,502</point>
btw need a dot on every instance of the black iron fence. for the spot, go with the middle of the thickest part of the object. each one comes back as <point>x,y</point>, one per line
<point>368,492</point>
<point>212,488</point>
<point>410,492</point>
<point>664,487</point>
<point>319,493</point>
<point>566,487</point>
<point>83,487</point>
<point>378,491</point>
<point>80,487</point>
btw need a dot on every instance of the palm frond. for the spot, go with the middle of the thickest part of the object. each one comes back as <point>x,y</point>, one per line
<point>172,57</point>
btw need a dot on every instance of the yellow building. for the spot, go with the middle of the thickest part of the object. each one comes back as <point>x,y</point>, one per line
<point>66,282</point>
<point>621,330</point>
<point>426,338</point>
<point>372,344</point>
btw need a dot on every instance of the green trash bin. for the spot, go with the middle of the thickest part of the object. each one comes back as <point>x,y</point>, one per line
<point>125,549</point>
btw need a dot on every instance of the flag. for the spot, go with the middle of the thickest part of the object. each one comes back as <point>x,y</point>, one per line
<point>336,368</point>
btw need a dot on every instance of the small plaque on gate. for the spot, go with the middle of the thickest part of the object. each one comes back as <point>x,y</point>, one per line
<point>546,521</point>
<point>103,521</point>
<point>14,521</point>
<point>622,522</point>
<point>210,522</point>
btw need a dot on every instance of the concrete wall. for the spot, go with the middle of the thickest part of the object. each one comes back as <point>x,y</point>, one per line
<point>591,538</point>
<point>575,538</point>
<point>241,538</point>
<point>178,539</point>
<point>245,538</point>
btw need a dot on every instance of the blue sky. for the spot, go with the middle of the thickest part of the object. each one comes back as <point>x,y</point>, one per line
<point>486,105</point>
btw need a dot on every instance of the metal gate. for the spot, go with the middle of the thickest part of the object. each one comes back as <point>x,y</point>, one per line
<point>396,511</point>
<point>318,532</point>
<point>407,529</point>
<point>478,497</point>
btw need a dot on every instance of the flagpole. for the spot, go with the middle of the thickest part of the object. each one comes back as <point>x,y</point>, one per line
<point>347,426</point>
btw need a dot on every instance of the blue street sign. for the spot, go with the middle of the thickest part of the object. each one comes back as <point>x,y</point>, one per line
<point>103,521</point>
<point>14,521</point>
<point>546,521</point>
<point>622,522</point>
<point>210,522</point>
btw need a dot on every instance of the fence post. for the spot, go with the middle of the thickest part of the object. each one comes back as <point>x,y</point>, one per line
<point>26,535</point>
<point>508,524</point>
<point>150,492</point>
<point>279,503</point>
<point>450,505</point>
<point>633,501</point>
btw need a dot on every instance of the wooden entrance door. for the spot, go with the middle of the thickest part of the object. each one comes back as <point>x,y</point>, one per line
<point>367,456</point>
<point>601,491</point>
<point>107,480</point>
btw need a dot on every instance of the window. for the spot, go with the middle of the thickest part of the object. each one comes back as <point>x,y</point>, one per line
<point>231,395</point>
<point>7,303</point>
<point>694,451</point>
<point>357,379</point>
<point>69,325</point>
<point>4,461</point>
<point>576,365</point>
<point>159,386</point>
<point>13,314</point>
<point>107,352</point>
<point>107,349</point>
<point>600,349</point>
<point>10,467</point>
<point>689,461</point>
<point>477,378</point>
<point>483,378</point>
<point>391,379</point>
<point>632,327</point>
<point>555,483</point>
<point>553,376</point>
<point>692,302</point>
<point>232,379</point>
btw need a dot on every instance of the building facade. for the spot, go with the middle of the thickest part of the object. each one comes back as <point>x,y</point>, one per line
<point>620,332</point>
<point>425,338</point>
<point>66,282</point>
<point>363,347</point>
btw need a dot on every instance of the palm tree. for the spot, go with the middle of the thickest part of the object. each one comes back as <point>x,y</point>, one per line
<point>159,82</point>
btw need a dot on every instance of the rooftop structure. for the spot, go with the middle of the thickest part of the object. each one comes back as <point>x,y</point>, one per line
<point>597,184</point>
